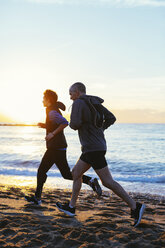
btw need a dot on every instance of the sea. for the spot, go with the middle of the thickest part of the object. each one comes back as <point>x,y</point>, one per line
<point>135,156</point>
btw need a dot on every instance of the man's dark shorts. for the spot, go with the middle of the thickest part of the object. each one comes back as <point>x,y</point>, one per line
<point>95,159</point>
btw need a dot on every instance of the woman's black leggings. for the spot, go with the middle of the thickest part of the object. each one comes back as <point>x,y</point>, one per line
<point>51,157</point>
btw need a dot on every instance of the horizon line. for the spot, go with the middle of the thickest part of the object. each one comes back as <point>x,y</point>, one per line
<point>34,125</point>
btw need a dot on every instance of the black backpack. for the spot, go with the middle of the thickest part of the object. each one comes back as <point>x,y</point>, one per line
<point>102,117</point>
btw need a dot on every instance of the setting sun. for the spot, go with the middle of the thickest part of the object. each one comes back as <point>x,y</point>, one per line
<point>45,46</point>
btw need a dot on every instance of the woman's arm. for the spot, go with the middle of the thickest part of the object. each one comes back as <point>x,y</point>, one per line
<point>55,117</point>
<point>55,132</point>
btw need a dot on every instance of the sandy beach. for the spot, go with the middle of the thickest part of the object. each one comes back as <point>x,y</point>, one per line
<point>99,222</point>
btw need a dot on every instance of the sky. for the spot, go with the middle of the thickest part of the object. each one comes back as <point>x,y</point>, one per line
<point>116,48</point>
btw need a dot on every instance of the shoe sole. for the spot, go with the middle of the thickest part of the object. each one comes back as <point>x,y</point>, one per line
<point>32,202</point>
<point>66,212</point>
<point>140,214</point>
<point>97,187</point>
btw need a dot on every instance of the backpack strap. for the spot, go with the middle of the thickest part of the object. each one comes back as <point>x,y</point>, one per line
<point>102,117</point>
<point>96,111</point>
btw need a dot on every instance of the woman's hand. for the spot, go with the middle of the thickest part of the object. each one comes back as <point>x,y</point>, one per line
<point>41,125</point>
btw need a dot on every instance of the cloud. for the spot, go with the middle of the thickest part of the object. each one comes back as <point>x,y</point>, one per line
<point>117,3</point>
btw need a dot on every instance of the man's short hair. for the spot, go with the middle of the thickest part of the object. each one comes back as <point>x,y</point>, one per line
<point>79,86</point>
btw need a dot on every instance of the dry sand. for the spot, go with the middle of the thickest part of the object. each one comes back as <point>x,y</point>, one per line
<point>103,222</point>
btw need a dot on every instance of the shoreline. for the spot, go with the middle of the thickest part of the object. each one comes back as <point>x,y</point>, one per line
<point>99,222</point>
<point>60,182</point>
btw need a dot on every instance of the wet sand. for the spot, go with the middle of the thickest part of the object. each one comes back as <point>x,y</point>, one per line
<point>99,222</point>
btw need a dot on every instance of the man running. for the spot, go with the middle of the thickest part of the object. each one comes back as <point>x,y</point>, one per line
<point>93,150</point>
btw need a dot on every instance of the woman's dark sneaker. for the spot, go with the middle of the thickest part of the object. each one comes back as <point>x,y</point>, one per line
<point>94,184</point>
<point>66,209</point>
<point>33,199</point>
<point>138,213</point>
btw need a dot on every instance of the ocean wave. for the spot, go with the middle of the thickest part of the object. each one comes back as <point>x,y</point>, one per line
<point>127,168</point>
<point>15,163</point>
<point>30,172</point>
<point>142,179</point>
<point>54,172</point>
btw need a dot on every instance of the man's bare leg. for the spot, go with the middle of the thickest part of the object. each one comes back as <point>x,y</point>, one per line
<point>107,180</point>
<point>79,169</point>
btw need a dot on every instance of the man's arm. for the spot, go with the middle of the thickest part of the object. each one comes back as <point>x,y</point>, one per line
<point>76,114</point>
